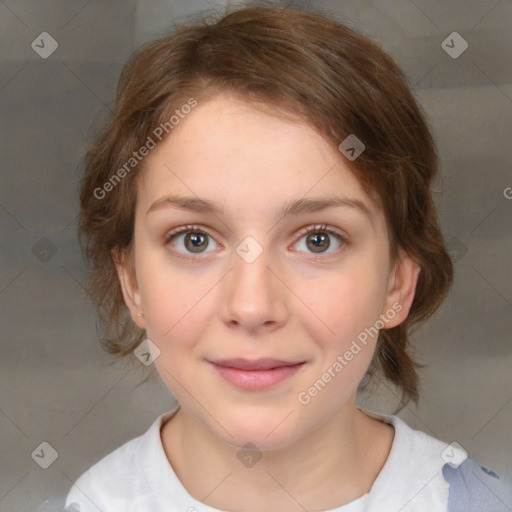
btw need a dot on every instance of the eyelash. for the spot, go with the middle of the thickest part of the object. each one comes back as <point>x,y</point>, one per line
<point>306,231</point>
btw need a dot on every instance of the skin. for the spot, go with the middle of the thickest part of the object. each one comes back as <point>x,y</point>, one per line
<point>291,303</point>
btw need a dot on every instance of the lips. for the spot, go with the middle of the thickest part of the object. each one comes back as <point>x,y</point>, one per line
<point>256,375</point>
<point>254,365</point>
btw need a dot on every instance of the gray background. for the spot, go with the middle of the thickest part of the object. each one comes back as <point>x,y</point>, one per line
<point>56,384</point>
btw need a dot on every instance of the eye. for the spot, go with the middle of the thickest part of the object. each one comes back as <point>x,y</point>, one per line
<point>190,240</point>
<point>317,239</point>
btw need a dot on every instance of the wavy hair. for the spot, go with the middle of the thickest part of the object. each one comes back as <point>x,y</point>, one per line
<point>304,66</point>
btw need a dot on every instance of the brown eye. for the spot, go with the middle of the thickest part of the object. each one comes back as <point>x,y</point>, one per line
<point>318,242</point>
<point>188,240</point>
<point>196,242</point>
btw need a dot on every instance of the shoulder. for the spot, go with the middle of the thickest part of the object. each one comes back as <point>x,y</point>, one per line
<point>106,483</point>
<point>118,481</point>
<point>471,487</point>
<point>475,488</point>
<point>412,471</point>
<point>426,473</point>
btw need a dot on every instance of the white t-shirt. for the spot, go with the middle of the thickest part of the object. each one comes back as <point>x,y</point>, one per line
<point>421,474</point>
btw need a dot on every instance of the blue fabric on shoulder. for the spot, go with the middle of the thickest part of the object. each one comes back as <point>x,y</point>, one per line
<point>474,488</point>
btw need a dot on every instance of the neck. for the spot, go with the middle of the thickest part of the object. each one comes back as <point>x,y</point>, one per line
<point>329,467</point>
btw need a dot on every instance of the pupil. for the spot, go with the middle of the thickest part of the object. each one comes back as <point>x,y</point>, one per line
<point>320,241</point>
<point>198,242</point>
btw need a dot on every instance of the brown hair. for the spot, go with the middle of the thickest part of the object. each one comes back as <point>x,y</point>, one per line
<point>305,66</point>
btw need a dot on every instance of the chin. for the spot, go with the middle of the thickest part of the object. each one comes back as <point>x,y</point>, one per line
<point>267,431</point>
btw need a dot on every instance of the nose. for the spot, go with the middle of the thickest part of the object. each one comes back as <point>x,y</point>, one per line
<point>254,298</point>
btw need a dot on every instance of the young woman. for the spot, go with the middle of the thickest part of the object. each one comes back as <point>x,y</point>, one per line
<point>258,211</point>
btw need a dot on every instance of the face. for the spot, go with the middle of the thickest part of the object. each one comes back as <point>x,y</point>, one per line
<point>254,241</point>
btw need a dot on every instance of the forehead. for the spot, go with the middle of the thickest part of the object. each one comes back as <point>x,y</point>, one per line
<point>248,159</point>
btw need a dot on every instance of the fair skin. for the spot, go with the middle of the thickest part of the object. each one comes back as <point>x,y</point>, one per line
<point>292,303</point>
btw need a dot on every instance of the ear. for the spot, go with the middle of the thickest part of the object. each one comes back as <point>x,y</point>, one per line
<point>125,267</point>
<point>401,289</point>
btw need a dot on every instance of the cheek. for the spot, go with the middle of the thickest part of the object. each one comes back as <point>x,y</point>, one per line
<point>174,303</point>
<point>345,305</point>
<point>343,329</point>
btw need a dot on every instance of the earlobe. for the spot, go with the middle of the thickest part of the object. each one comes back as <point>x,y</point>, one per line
<point>128,281</point>
<point>402,288</point>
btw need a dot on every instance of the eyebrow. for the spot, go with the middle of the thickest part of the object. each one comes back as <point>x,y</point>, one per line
<point>296,207</point>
